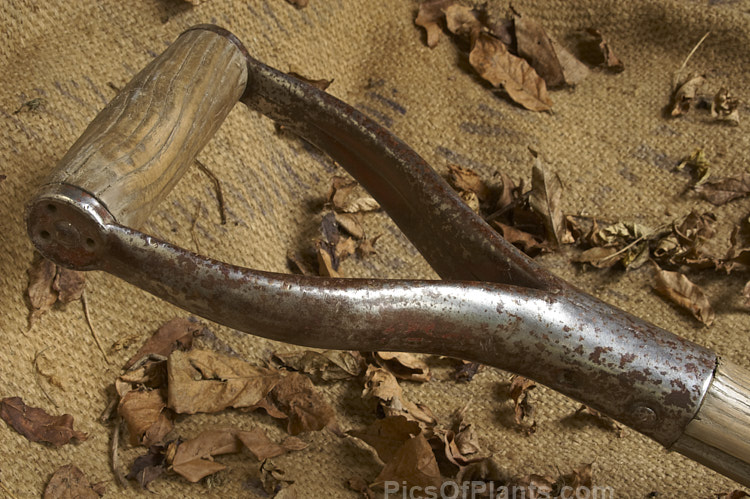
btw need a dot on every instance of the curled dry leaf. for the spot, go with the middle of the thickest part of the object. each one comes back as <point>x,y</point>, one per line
<point>406,366</point>
<point>471,200</point>
<point>725,190</point>
<point>360,204</point>
<point>463,21</point>
<point>528,243</point>
<point>320,84</point>
<point>466,371</point>
<point>579,478</point>
<point>205,381</point>
<point>193,458</point>
<point>68,482</point>
<point>270,481</point>
<point>430,16</point>
<point>359,484</point>
<point>586,413</point>
<point>698,165</point>
<point>466,179</point>
<point>536,47</point>
<point>382,385</point>
<point>295,398</point>
<point>40,292</point>
<point>49,284</point>
<point>38,426</point>
<point>351,223</point>
<point>146,416</point>
<point>492,60</point>
<point>414,463</point>
<point>486,470</point>
<point>599,257</point>
<point>546,201</point>
<point>387,435</point>
<point>300,4</point>
<point>724,107</point>
<point>597,51</point>
<point>328,365</point>
<point>684,94</point>
<point>684,245</point>
<point>681,291</point>
<point>518,391</point>
<point>150,466</point>
<point>735,494</point>
<point>174,334</point>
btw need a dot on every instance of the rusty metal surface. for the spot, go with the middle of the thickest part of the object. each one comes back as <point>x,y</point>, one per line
<point>521,318</point>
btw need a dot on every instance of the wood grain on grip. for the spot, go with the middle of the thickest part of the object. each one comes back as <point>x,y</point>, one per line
<point>719,434</point>
<point>139,146</point>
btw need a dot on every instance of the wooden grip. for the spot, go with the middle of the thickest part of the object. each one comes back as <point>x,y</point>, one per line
<point>719,434</point>
<point>139,146</point>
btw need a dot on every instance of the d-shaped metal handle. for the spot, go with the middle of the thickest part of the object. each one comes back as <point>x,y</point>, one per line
<point>520,318</point>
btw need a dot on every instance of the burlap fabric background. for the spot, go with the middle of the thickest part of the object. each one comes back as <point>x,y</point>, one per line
<point>606,139</point>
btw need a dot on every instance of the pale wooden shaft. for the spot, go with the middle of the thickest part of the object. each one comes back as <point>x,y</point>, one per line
<point>139,146</point>
<point>719,435</point>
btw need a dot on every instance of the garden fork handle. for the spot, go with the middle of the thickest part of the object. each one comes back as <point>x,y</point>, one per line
<point>525,320</point>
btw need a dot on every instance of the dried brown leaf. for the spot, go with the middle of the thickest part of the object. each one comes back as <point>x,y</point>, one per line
<point>684,94</point>
<point>366,247</point>
<point>146,416</point>
<point>193,458</point>
<point>414,463</point>
<point>599,53</point>
<point>69,285</point>
<point>340,189</point>
<point>486,470</point>
<point>491,59</point>
<point>299,4</point>
<point>40,291</point>
<point>528,243</point>
<point>382,385</point>
<point>360,204</point>
<point>599,257</point>
<point>466,179</point>
<point>345,247</point>
<point>580,478</point>
<point>262,447</point>
<point>574,71</point>
<point>404,365</point>
<point>68,482</point>
<point>38,426</point>
<point>533,486</point>
<point>174,334</point>
<point>430,16</point>
<point>735,494</point>
<point>359,484</point>
<point>205,381</point>
<point>724,107</point>
<point>295,398</point>
<point>326,263</point>
<point>329,365</point>
<point>351,223</point>
<point>466,371</point>
<point>463,21</point>
<point>387,435</point>
<point>270,481</point>
<point>536,47</point>
<point>725,190</point>
<point>681,291</point>
<point>586,413</point>
<point>471,200</point>
<point>518,391</point>
<point>546,201</point>
<point>150,466</point>
<point>320,84</point>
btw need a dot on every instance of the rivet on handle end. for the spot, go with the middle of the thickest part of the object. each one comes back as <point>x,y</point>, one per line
<point>67,225</point>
